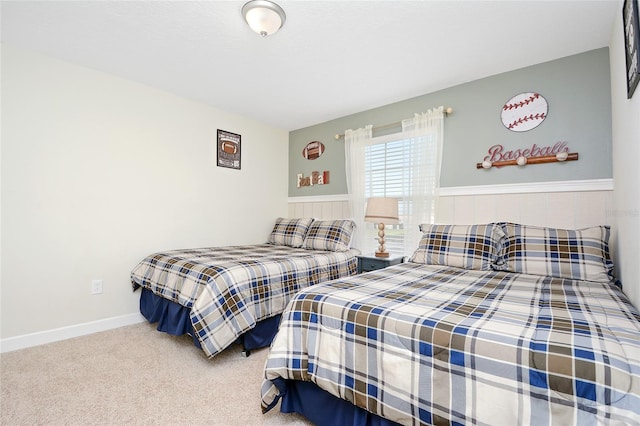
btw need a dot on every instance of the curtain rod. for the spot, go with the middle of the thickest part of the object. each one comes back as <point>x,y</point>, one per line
<point>447,111</point>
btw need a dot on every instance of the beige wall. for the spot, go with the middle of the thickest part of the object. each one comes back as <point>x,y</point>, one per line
<point>98,172</point>
<point>626,165</point>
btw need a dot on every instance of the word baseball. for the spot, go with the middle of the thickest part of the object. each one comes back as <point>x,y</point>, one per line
<point>497,152</point>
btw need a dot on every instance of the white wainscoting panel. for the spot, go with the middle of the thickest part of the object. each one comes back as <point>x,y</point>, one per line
<point>323,207</point>
<point>570,210</point>
<point>569,205</point>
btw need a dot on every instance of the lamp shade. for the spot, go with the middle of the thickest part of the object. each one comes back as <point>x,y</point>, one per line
<point>382,210</point>
<point>263,16</point>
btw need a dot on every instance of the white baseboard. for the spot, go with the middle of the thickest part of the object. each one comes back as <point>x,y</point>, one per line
<point>63,333</point>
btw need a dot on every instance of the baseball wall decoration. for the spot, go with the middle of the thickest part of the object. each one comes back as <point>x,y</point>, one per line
<point>524,112</point>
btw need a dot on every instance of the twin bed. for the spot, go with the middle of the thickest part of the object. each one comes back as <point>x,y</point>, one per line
<point>493,324</point>
<point>221,295</point>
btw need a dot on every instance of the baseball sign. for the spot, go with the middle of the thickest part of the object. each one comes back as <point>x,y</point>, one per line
<point>524,112</point>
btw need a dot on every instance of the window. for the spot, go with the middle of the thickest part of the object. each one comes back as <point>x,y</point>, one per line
<point>390,171</point>
<point>404,165</point>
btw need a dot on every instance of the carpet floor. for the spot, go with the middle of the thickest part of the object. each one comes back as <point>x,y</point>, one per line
<point>133,375</point>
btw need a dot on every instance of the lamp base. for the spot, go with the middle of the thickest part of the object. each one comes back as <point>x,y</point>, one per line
<point>382,254</point>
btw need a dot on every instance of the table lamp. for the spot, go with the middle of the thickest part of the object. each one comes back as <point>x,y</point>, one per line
<point>382,210</point>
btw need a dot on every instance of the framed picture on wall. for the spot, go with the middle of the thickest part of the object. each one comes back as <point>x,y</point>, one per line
<point>229,146</point>
<point>631,42</point>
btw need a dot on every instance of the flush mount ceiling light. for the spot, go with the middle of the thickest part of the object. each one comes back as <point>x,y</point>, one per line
<point>263,16</point>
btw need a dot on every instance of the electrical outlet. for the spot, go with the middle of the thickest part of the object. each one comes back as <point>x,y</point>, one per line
<point>96,286</point>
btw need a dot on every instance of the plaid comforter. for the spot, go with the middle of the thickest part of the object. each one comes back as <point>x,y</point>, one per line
<point>229,289</point>
<point>421,344</point>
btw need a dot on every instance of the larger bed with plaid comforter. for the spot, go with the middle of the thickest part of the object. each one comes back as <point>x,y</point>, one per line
<point>230,289</point>
<point>429,344</point>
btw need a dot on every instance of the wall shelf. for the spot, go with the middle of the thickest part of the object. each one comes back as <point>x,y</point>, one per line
<point>524,161</point>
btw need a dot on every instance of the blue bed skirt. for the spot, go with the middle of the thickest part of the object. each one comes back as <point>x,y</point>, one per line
<point>324,409</point>
<point>174,319</point>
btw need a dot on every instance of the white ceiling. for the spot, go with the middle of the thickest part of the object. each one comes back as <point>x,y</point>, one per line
<point>331,58</point>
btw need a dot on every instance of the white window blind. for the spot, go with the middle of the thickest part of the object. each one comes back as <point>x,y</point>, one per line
<point>392,170</point>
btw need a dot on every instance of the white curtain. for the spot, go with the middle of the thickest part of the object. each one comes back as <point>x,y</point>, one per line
<point>355,142</point>
<point>422,138</point>
<point>426,132</point>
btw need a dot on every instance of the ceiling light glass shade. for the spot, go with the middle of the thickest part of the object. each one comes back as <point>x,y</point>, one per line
<point>263,16</point>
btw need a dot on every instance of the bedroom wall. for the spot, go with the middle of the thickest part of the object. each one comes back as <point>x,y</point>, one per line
<point>607,194</point>
<point>577,89</point>
<point>626,158</point>
<point>98,172</point>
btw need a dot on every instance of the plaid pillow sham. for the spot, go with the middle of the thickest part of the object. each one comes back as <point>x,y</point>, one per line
<point>581,254</point>
<point>289,232</point>
<point>460,246</point>
<point>331,235</point>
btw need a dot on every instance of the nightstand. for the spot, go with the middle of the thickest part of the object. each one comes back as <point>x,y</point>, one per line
<point>368,262</point>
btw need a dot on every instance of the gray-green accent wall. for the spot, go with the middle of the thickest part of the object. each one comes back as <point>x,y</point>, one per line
<point>577,89</point>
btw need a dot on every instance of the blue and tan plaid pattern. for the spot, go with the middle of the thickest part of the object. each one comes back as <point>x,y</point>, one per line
<point>460,246</point>
<point>420,344</point>
<point>230,289</point>
<point>332,235</point>
<point>581,254</point>
<point>289,232</point>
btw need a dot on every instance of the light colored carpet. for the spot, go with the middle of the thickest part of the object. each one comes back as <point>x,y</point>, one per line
<point>134,375</point>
